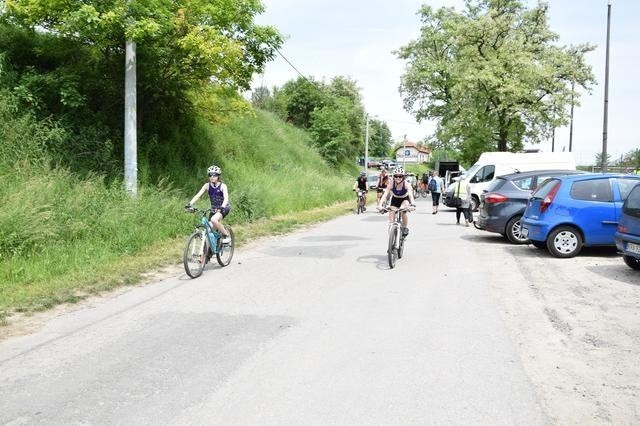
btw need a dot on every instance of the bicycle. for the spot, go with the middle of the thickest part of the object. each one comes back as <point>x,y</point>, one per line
<point>203,243</point>
<point>420,190</point>
<point>396,238</point>
<point>360,205</point>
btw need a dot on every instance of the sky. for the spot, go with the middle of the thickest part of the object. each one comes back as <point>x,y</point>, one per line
<point>356,38</point>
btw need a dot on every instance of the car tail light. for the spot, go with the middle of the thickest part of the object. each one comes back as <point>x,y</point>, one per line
<point>494,198</point>
<point>544,205</point>
<point>623,229</point>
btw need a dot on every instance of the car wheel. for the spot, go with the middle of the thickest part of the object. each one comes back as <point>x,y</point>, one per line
<point>513,231</point>
<point>474,203</point>
<point>564,241</point>
<point>632,262</point>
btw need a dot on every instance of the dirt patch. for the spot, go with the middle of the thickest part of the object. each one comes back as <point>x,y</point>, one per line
<point>576,324</point>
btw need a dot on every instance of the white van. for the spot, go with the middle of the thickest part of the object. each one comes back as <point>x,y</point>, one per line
<point>493,164</point>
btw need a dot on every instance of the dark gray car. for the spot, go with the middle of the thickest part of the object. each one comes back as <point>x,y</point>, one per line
<point>504,201</point>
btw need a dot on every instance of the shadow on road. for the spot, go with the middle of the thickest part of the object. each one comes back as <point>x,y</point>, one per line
<point>334,238</point>
<point>620,272</point>
<point>381,262</point>
<point>324,252</point>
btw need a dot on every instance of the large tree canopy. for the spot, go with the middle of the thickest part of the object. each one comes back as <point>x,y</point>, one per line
<point>492,76</point>
<point>195,39</point>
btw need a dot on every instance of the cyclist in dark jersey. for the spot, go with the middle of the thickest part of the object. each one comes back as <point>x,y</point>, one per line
<point>401,194</point>
<point>363,185</point>
<point>219,197</point>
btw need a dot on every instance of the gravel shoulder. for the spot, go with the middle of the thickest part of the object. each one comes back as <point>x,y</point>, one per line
<point>576,324</point>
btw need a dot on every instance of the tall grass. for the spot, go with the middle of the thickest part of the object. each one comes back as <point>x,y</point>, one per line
<point>60,232</point>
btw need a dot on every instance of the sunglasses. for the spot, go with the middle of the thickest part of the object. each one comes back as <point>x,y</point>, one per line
<point>214,174</point>
<point>398,176</point>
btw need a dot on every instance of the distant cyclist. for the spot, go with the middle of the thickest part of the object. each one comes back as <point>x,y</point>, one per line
<point>363,185</point>
<point>219,197</point>
<point>401,194</point>
<point>383,182</point>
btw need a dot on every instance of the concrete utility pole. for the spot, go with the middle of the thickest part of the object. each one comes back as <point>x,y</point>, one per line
<point>606,95</point>
<point>366,142</point>
<point>130,121</point>
<point>571,123</point>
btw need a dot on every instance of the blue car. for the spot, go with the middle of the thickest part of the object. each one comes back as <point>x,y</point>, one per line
<point>567,213</point>
<point>628,234</point>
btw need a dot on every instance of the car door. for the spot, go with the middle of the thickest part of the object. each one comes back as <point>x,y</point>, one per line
<point>594,210</point>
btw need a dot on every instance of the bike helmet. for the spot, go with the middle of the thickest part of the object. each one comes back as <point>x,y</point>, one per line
<point>214,170</point>
<point>363,173</point>
<point>398,171</point>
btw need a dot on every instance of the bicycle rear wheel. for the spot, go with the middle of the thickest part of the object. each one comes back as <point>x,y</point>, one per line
<point>392,253</point>
<point>225,251</point>
<point>400,246</point>
<point>195,254</point>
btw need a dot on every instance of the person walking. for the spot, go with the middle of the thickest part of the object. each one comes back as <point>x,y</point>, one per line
<point>436,187</point>
<point>462,191</point>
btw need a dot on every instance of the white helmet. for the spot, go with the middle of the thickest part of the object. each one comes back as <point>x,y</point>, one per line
<point>398,171</point>
<point>214,170</point>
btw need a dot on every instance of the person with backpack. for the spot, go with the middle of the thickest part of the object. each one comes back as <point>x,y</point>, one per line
<point>436,187</point>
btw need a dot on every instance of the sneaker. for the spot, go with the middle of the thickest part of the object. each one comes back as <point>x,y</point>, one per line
<point>405,231</point>
<point>226,239</point>
<point>466,223</point>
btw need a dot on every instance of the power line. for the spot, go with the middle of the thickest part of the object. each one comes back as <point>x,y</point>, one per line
<point>291,65</point>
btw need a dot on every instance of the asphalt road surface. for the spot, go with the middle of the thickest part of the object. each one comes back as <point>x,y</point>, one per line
<point>308,328</point>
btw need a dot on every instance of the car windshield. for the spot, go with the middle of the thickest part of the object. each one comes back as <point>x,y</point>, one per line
<point>626,185</point>
<point>544,189</point>
<point>472,171</point>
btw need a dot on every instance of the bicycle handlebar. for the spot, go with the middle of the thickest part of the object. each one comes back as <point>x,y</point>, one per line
<point>191,209</point>
<point>397,209</point>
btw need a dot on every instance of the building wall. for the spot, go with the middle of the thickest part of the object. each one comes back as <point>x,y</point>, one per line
<point>411,155</point>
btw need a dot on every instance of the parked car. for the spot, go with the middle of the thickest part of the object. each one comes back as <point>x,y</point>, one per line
<point>372,181</point>
<point>504,201</point>
<point>373,164</point>
<point>628,233</point>
<point>569,212</point>
<point>388,164</point>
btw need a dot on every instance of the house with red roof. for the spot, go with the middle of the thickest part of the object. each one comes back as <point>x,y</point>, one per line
<point>411,152</point>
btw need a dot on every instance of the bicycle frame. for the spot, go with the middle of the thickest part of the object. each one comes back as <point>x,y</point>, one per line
<point>396,239</point>
<point>212,234</point>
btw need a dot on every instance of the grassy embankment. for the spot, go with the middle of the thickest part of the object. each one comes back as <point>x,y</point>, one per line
<point>65,236</point>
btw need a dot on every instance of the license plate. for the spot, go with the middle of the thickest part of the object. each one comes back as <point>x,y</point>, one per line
<point>633,248</point>
<point>524,232</point>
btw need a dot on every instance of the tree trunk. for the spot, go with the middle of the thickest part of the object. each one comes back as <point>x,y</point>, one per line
<point>503,132</point>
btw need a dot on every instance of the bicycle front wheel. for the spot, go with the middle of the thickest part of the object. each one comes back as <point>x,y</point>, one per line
<point>195,254</point>
<point>392,253</point>
<point>225,251</point>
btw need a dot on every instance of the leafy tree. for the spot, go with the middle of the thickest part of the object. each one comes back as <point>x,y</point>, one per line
<point>66,60</point>
<point>337,127</point>
<point>379,138</point>
<point>300,98</point>
<point>182,45</point>
<point>491,76</point>
<point>598,159</point>
<point>631,159</point>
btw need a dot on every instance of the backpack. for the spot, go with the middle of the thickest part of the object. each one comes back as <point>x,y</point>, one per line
<point>432,185</point>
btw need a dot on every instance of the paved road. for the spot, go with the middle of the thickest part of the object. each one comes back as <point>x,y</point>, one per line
<point>309,328</point>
